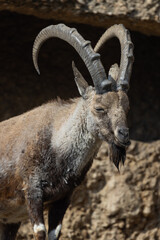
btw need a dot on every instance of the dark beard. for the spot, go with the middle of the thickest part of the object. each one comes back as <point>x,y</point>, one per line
<point>117,154</point>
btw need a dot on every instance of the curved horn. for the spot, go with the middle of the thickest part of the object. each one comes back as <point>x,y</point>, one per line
<point>127,57</point>
<point>90,58</point>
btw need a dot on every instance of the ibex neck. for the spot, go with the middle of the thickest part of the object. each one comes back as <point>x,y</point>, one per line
<point>73,140</point>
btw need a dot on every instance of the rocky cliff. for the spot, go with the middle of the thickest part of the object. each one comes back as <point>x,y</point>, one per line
<point>138,15</point>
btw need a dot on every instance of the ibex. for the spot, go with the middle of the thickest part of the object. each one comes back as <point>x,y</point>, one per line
<point>46,152</point>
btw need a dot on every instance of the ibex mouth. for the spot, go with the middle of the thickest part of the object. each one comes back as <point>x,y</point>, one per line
<point>122,144</point>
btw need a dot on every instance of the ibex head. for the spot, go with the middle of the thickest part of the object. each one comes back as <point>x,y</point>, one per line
<point>106,103</point>
<point>107,111</point>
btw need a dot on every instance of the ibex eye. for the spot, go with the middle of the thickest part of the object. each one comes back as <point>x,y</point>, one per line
<point>99,110</point>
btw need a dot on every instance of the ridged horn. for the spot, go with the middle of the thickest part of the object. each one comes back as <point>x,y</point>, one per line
<point>84,49</point>
<point>127,57</point>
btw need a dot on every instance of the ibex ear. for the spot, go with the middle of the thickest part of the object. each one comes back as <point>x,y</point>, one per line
<point>80,81</point>
<point>114,71</point>
<point>113,75</point>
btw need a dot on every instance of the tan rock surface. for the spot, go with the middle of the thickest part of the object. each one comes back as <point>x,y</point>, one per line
<point>116,205</point>
<point>138,15</point>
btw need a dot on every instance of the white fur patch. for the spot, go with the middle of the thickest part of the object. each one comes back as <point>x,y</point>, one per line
<point>39,227</point>
<point>53,235</point>
<point>58,229</point>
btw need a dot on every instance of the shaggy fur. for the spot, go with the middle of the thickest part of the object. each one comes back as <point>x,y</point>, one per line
<point>117,154</point>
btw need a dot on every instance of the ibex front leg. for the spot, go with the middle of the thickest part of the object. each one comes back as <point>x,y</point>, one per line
<point>55,217</point>
<point>34,200</point>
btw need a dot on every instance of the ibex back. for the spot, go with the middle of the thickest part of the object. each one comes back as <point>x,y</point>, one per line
<point>45,153</point>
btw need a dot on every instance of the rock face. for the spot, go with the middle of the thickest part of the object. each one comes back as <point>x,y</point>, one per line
<point>138,15</point>
<point>116,205</point>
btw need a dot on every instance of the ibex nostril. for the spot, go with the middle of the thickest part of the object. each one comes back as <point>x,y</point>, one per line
<point>121,132</point>
<point>124,132</point>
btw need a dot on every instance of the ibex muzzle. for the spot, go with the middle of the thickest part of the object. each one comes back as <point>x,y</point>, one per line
<point>122,135</point>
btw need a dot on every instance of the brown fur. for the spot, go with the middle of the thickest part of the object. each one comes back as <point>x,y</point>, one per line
<point>38,164</point>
